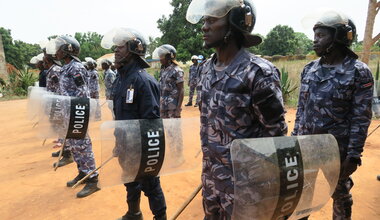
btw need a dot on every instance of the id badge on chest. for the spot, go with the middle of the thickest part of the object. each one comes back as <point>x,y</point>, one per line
<point>129,98</point>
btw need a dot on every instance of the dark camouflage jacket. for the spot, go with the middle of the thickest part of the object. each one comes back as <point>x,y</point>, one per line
<point>242,101</point>
<point>336,100</point>
<point>52,78</point>
<point>170,77</point>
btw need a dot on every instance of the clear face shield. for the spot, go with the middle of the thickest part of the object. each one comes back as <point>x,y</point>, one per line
<point>323,17</point>
<point>119,37</point>
<point>213,8</point>
<point>53,45</point>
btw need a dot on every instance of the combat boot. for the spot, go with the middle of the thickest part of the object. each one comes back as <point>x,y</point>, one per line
<point>90,187</point>
<point>76,179</point>
<point>189,104</point>
<point>55,154</point>
<point>134,212</point>
<point>378,177</point>
<point>160,217</point>
<point>66,159</point>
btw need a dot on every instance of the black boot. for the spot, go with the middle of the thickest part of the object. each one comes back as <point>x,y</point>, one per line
<point>76,179</point>
<point>55,154</point>
<point>90,187</point>
<point>66,158</point>
<point>189,104</point>
<point>378,177</point>
<point>160,217</point>
<point>134,212</point>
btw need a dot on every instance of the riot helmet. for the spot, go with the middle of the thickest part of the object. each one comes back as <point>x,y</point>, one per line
<point>67,44</point>
<point>344,29</point>
<point>194,57</point>
<point>133,39</point>
<point>166,50</point>
<point>241,15</point>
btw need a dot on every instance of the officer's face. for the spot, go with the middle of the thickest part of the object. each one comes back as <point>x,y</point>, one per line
<point>214,30</point>
<point>105,66</point>
<point>121,54</point>
<point>194,61</point>
<point>323,39</point>
<point>60,54</point>
<point>164,61</point>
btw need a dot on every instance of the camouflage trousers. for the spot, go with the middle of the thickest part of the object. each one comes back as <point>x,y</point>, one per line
<point>191,92</point>
<point>168,114</point>
<point>83,155</point>
<point>217,190</point>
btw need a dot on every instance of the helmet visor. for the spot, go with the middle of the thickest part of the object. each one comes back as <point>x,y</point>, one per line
<point>119,37</point>
<point>213,8</point>
<point>324,17</point>
<point>53,45</point>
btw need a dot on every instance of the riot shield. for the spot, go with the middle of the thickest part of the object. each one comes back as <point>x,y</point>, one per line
<point>148,147</point>
<point>283,177</point>
<point>376,99</point>
<point>68,117</point>
<point>35,95</point>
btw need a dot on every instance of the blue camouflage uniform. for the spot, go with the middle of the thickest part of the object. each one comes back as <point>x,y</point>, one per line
<point>93,83</point>
<point>242,101</point>
<point>192,80</point>
<point>337,100</point>
<point>42,78</point>
<point>73,83</point>
<point>52,78</point>
<point>109,78</point>
<point>170,77</point>
<point>145,105</point>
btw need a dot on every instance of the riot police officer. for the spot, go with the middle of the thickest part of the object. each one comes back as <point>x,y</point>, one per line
<point>135,95</point>
<point>192,79</point>
<point>171,82</point>
<point>73,83</point>
<point>240,97</point>
<point>109,77</point>
<point>335,98</point>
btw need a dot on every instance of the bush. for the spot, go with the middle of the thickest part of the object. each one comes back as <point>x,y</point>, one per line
<point>287,86</point>
<point>19,81</point>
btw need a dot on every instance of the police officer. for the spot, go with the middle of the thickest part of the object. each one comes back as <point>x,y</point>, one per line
<point>109,77</point>
<point>192,78</point>
<point>201,61</point>
<point>335,98</point>
<point>93,78</point>
<point>42,74</point>
<point>73,83</point>
<point>240,98</point>
<point>171,82</point>
<point>136,96</point>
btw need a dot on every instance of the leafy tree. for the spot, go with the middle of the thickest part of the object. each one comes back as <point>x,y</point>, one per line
<point>304,44</point>
<point>90,45</point>
<point>184,36</point>
<point>281,40</point>
<point>153,43</point>
<point>17,53</point>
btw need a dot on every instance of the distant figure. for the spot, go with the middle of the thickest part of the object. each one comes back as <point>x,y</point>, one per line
<point>192,79</point>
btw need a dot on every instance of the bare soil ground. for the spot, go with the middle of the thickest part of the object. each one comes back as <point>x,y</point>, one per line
<point>31,189</point>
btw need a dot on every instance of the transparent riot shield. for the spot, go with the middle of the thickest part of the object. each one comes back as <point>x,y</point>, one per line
<point>65,116</point>
<point>376,99</point>
<point>148,147</point>
<point>35,95</point>
<point>283,177</point>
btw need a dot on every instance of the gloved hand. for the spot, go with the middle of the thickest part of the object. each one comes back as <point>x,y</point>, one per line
<point>349,166</point>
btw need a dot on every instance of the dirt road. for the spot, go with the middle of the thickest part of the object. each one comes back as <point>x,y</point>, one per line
<point>30,189</point>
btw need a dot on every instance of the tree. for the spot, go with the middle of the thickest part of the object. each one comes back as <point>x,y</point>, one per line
<point>184,36</point>
<point>303,44</point>
<point>152,45</point>
<point>18,53</point>
<point>90,45</point>
<point>373,9</point>
<point>281,40</point>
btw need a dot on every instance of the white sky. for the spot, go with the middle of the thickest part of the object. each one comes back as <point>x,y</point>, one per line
<point>34,20</point>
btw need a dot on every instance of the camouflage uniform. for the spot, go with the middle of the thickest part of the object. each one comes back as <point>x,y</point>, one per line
<point>109,78</point>
<point>73,83</point>
<point>242,101</point>
<point>93,83</point>
<point>192,80</point>
<point>337,100</point>
<point>199,82</point>
<point>52,78</point>
<point>170,77</point>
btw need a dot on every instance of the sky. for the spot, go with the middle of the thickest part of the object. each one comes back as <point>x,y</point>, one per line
<point>33,21</point>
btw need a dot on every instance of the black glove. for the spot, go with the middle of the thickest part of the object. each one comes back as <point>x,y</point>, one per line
<point>349,166</point>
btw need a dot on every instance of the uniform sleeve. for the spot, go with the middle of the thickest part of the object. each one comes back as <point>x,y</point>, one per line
<point>268,104</point>
<point>300,107</point>
<point>148,99</point>
<point>361,113</point>
<point>178,75</point>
